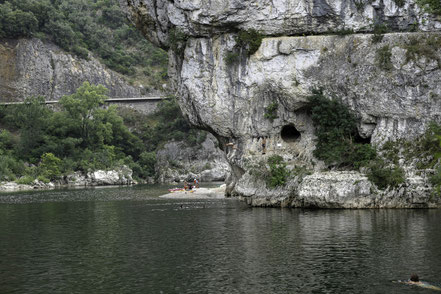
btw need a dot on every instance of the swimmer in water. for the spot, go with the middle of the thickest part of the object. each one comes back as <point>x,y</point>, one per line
<point>415,280</point>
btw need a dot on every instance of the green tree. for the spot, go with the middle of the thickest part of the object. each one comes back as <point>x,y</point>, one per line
<point>50,166</point>
<point>31,118</point>
<point>147,161</point>
<point>82,106</point>
<point>62,33</point>
<point>16,23</point>
<point>6,140</point>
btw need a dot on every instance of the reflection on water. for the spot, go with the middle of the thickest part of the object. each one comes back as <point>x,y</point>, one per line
<point>126,240</point>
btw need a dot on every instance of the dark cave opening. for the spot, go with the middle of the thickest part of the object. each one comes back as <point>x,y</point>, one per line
<point>290,134</point>
<point>360,140</point>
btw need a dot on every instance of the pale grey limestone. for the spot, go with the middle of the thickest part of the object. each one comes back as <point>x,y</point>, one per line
<point>230,99</point>
<point>205,18</point>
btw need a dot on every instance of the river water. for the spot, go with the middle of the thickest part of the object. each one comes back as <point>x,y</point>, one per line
<point>127,240</point>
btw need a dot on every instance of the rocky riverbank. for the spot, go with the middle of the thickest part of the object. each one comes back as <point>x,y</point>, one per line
<point>121,176</point>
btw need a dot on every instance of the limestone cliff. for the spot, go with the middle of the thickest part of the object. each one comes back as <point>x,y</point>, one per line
<point>30,67</point>
<point>302,50</point>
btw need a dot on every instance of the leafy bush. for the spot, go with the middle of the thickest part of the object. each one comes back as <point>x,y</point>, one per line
<point>383,58</point>
<point>335,128</point>
<point>278,173</point>
<point>81,52</point>
<point>271,111</point>
<point>423,47</point>
<point>50,166</point>
<point>379,31</point>
<point>435,180</point>
<point>430,6</point>
<point>177,40</point>
<point>425,148</point>
<point>385,176</point>
<point>249,41</point>
<point>43,179</point>
<point>25,180</point>
<point>246,41</point>
<point>6,140</point>
<point>10,167</point>
<point>361,154</point>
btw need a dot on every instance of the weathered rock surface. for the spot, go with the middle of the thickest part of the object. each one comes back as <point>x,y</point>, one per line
<point>344,189</point>
<point>394,102</point>
<point>205,18</point>
<point>121,176</point>
<point>30,67</point>
<point>176,162</point>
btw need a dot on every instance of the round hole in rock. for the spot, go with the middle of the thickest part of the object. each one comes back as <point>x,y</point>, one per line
<point>290,134</point>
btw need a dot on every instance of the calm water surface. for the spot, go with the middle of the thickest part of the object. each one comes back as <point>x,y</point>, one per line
<point>127,240</point>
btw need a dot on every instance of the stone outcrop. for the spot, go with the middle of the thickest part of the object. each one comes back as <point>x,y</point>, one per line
<point>177,162</point>
<point>345,189</point>
<point>301,51</point>
<point>120,176</point>
<point>30,67</point>
<point>13,187</point>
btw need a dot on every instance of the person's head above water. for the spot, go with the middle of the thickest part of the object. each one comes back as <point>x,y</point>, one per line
<point>414,278</point>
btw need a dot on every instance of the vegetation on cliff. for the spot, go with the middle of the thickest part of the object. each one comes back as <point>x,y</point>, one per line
<point>430,6</point>
<point>36,142</point>
<point>247,41</point>
<point>336,130</point>
<point>80,26</point>
<point>336,144</point>
<point>278,172</point>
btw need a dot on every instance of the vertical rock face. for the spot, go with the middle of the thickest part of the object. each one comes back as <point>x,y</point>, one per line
<point>29,67</point>
<point>231,99</point>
